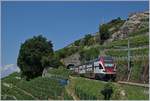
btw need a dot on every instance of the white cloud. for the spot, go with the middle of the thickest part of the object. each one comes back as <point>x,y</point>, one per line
<point>6,67</point>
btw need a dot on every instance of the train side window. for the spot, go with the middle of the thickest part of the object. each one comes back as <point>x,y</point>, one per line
<point>100,66</point>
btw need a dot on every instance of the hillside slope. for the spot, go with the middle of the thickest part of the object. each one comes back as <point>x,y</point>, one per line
<point>41,88</point>
<point>136,27</point>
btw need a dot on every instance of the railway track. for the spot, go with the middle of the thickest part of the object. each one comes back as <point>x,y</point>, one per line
<point>134,84</point>
<point>121,82</point>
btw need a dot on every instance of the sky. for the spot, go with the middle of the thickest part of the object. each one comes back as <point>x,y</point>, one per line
<point>60,22</point>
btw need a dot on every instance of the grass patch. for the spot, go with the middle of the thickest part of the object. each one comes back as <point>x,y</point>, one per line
<point>139,40</point>
<point>42,88</point>
<point>87,89</point>
<point>60,72</point>
<point>137,66</point>
<point>139,32</point>
<point>119,53</point>
<point>136,93</point>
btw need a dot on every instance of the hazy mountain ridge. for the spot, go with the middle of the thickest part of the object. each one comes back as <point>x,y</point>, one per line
<point>8,69</point>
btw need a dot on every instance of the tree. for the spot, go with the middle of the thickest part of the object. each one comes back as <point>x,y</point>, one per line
<point>97,37</point>
<point>87,39</point>
<point>60,53</point>
<point>77,43</point>
<point>55,62</point>
<point>115,21</point>
<point>104,32</point>
<point>33,56</point>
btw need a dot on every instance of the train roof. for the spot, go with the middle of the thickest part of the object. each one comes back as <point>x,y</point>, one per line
<point>97,59</point>
<point>107,57</point>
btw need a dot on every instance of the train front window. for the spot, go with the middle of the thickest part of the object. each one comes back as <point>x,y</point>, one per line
<point>108,62</point>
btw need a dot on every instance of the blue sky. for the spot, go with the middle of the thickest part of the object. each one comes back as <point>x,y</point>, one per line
<point>60,22</point>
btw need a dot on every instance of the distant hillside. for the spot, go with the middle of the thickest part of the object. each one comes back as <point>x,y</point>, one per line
<point>136,27</point>
<point>136,24</point>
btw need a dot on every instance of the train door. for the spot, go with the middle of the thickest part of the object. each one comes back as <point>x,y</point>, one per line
<point>83,68</point>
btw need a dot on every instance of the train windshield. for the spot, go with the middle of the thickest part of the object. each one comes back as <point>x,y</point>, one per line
<point>108,61</point>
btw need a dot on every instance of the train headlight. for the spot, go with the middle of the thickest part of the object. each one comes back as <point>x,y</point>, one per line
<point>114,69</point>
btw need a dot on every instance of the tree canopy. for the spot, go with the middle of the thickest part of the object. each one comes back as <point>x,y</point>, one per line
<point>35,54</point>
<point>104,32</point>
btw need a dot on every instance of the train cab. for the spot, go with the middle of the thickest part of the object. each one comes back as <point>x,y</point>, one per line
<point>107,67</point>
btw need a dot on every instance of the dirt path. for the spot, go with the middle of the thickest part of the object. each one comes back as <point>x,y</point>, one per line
<point>72,94</point>
<point>121,82</point>
<point>70,89</point>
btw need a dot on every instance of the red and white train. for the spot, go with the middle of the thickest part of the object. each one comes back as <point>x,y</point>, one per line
<point>100,68</point>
